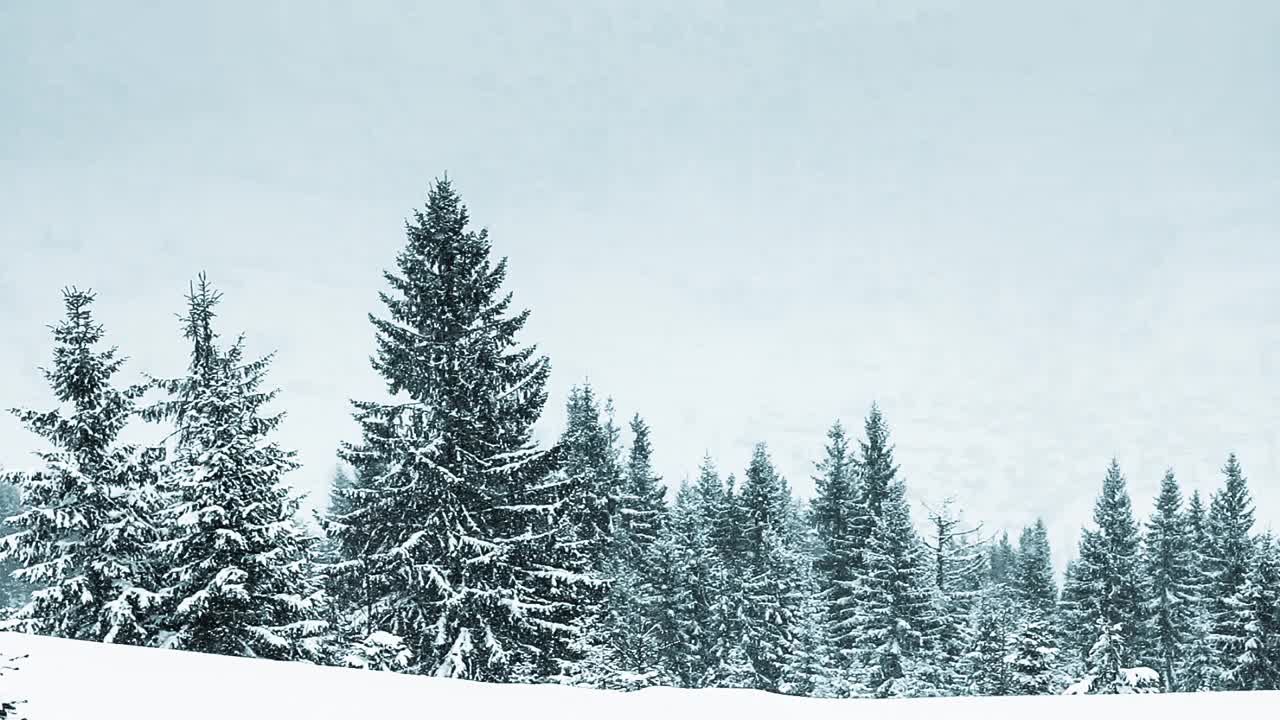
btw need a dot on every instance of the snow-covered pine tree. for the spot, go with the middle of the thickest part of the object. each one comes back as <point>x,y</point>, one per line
<point>808,671</point>
<point>1032,657</point>
<point>1200,668</point>
<point>1254,624</point>
<point>13,594</point>
<point>591,452</point>
<point>643,504</point>
<point>773,572</point>
<point>876,471</point>
<point>1033,573</point>
<point>1034,668</point>
<point>959,571</point>
<point>466,544</point>
<point>1106,577</point>
<point>346,601</point>
<point>627,628</point>
<point>687,583</point>
<point>1003,560</point>
<point>1071,609</point>
<point>1170,592</point>
<point>1108,673</point>
<point>832,515</point>
<point>1196,528</point>
<point>83,538</point>
<point>1228,525</point>
<point>379,651</point>
<point>895,600</point>
<point>238,562</point>
<point>728,534</point>
<point>984,668</point>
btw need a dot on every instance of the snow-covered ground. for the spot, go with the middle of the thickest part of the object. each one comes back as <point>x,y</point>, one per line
<point>70,680</point>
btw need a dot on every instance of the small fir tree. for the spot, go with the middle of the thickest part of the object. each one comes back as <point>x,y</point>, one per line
<point>82,541</point>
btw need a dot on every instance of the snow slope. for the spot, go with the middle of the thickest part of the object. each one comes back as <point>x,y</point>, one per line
<point>69,680</point>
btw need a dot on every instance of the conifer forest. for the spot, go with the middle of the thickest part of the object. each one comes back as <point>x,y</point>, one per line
<point>454,545</point>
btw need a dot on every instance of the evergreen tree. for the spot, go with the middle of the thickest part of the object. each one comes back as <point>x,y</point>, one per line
<point>239,565</point>
<point>13,594</point>
<point>352,640</point>
<point>1032,658</point>
<point>1072,608</point>
<point>808,671</point>
<point>1230,546</point>
<point>643,500</point>
<point>1170,589</point>
<point>895,601</point>
<point>468,551</point>
<point>379,651</point>
<point>984,667</point>
<point>1003,560</point>
<point>1033,572</point>
<point>959,570</point>
<point>687,586</point>
<point>1106,576</point>
<point>592,459</point>
<point>772,584</point>
<point>82,539</point>
<point>625,637</point>
<point>728,533</point>
<point>1108,674</point>
<point>832,514</point>
<point>1199,668</point>
<point>1254,624</point>
<point>876,472</point>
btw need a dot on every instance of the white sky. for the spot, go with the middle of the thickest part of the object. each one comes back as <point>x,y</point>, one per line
<point>1038,236</point>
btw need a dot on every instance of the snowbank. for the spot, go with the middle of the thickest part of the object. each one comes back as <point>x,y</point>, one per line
<point>69,680</point>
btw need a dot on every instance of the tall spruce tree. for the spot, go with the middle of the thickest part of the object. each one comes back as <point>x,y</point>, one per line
<point>591,457</point>
<point>1228,525</point>
<point>1033,645</point>
<point>687,582</point>
<point>1033,572</point>
<point>1170,593</point>
<point>83,538</point>
<point>876,473</point>
<point>626,635</point>
<point>642,505</point>
<point>896,609</point>
<point>1253,652</point>
<point>1199,668</point>
<point>773,572</point>
<point>832,514</point>
<point>808,670</point>
<point>468,550</point>
<point>1106,578</point>
<point>238,561</point>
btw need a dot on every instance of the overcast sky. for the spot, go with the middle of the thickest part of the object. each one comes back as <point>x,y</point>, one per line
<point>1038,234</point>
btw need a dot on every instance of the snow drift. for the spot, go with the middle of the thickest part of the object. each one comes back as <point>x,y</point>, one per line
<point>70,680</point>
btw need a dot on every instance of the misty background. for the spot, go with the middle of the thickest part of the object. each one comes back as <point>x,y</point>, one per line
<point>1037,236</point>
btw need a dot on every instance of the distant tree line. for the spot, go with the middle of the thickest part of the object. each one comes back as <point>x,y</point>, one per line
<point>454,546</point>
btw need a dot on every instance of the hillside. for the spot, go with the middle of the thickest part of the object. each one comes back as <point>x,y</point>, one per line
<point>64,679</point>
